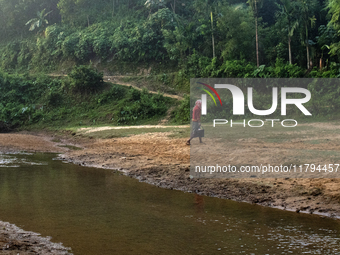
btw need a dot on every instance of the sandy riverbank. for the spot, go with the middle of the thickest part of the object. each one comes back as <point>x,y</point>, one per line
<point>14,241</point>
<point>161,160</point>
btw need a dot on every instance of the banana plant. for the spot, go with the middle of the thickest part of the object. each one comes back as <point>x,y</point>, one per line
<point>39,21</point>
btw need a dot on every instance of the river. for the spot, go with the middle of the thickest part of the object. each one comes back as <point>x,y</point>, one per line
<point>98,211</point>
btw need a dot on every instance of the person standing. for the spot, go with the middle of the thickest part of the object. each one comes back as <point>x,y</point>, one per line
<point>196,120</point>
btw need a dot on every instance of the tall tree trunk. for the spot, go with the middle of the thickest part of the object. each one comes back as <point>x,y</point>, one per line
<point>257,37</point>
<point>289,50</point>
<point>307,48</point>
<point>213,43</point>
<point>212,34</point>
<point>321,64</point>
<point>307,56</point>
<point>257,45</point>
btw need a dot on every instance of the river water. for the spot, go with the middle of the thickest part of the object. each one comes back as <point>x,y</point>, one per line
<point>98,212</point>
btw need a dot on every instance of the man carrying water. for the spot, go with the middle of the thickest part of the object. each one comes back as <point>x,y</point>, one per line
<point>196,121</point>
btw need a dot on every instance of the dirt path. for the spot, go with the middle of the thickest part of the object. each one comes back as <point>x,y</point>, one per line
<point>118,80</point>
<point>98,129</point>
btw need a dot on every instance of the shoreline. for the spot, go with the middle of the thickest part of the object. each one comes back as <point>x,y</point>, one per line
<point>14,240</point>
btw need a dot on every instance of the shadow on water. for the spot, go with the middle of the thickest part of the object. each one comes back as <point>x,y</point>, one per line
<point>96,211</point>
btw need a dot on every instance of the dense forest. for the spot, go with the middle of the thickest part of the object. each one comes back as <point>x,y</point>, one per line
<point>179,39</point>
<point>202,38</point>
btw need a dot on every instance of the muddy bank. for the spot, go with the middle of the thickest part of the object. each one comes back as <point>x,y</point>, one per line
<point>25,141</point>
<point>14,240</point>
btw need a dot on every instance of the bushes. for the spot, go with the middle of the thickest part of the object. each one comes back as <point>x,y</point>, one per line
<point>237,69</point>
<point>85,79</point>
<point>181,114</point>
<point>197,66</point>
<point>142,105</point>
<point>9,55</point>
<point>27,100</point>
<point>114,94</point>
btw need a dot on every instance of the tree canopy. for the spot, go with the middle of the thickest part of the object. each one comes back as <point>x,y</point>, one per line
<point>300,32</point>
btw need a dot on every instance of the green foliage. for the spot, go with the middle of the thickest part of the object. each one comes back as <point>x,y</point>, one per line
<point>69,45</point>
<point>181,115</point>
<point>325,99</point>
<point>41,100</point>
<point>142,105</point>
<point>237,68</point>
<point>115,33</point>
<point>114,94</point>
<point>40,21</point>
<point>85,79</point>
<point>285,70</point>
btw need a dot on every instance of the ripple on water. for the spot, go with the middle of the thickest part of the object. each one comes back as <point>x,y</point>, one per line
<point>13,161</point>
<point>284,239</point>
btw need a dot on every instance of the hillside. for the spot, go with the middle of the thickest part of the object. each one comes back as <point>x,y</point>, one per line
<point>157,45</point>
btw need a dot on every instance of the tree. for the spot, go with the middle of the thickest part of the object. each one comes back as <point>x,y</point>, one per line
<point>255,5</point>
<point>235,28</point>
<point>289,16</point>
<point>39,21</point>
<point>307,10</point>
<point>334,11</point>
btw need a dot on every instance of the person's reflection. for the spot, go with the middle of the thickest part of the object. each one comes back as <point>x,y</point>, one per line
<point>199,203</point>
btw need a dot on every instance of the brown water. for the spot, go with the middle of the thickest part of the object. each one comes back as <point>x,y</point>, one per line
<point>96,211</point>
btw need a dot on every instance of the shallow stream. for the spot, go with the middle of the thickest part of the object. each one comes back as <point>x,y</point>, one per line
<point>97,211</point>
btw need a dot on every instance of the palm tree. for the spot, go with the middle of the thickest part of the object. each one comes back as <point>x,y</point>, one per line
<point>39,21</point>
<point>289,16</point>
<point>307,9</point>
